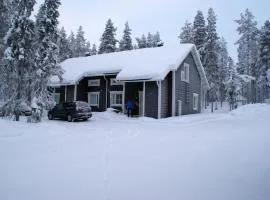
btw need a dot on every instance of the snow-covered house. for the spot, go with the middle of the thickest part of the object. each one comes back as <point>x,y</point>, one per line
<point>163,82</point>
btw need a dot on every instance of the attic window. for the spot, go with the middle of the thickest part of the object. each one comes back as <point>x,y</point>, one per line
<point>185,73</point>
<point>114,82</point>
<point>95,82</point>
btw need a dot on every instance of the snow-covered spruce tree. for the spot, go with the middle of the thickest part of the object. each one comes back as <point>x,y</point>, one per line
<point>71,42</point>
<point>47,56</point>
<point>223,70</point>
<point>150,40</point>
<point>142,42</point>
<point>199,33</point>
<point>63,44</point>
<point>18,58</point>
<point>186,35</point>
<point>126,42</point>
<point>108,41</point>
<point>233,84</point>
<point>211,57</point>
<point>94,50</point>
<point>264,61</point>
<point>80,43</point>
<point>248,46</point>
<point>157,42</point>
<point>88,49</point>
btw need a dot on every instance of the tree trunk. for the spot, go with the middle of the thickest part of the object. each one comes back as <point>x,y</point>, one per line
<point>212,106</point>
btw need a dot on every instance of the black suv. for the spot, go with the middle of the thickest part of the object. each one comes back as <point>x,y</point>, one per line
<point>71,111</point>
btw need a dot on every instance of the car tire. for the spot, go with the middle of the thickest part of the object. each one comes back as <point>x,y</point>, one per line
<point>69,118</point>
<point>50,116</point>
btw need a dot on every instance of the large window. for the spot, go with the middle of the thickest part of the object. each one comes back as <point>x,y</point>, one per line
<point>116,98</point>
<point>185,73</point>
<point>114,82</point>
<point>195,101</point>
<point>95,82</point>
<point>93,98</point>
<point>57,98</point>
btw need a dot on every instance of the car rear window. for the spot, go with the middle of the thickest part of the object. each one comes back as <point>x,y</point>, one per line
<point>82,104</point>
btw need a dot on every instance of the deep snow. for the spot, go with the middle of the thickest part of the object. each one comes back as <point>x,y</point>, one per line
<point>205,156</point>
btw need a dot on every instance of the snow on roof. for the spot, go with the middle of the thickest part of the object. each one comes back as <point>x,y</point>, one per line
<point>140,64</point>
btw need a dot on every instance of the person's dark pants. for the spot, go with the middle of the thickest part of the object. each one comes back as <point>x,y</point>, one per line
<point>129,112</point>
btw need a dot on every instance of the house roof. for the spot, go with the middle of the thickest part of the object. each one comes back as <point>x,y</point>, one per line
<point>151,64</point>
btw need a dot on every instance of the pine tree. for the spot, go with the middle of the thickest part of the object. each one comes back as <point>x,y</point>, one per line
<point>47,57</point>
<point>211,56</point>
<point>94,50</point>
<point>63,44</point>
<point>5,20</point>
<point>88,49</point>
<point>18,57</point>
<point>126,42</point>
<point>72,44</point>
<point>80,43</point>
<point>199,33</point>
<point>157,42</point>
<point>186,35</point>
<point>264,60</point>
<point>248,47</point>
<point>142,42</point>
<point>150,40</point>
<point>108,41</point>
<point>223,70</point>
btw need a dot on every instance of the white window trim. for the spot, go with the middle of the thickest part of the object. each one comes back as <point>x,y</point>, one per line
<point>185,73</point>
<point>91,84</point>
<point>116,92</point>
<point>58,95</point>
<point>114,82</point>
<point>93,93</point>
<point>196,104</point>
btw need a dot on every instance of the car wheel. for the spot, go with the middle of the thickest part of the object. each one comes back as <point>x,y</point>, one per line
<point>50,116</point>
<point>69,118</point>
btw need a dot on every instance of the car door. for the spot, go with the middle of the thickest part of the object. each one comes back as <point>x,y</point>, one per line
<point>58,110</point>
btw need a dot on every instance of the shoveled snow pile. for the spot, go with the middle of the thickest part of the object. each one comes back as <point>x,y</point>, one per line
<point>206,156</point>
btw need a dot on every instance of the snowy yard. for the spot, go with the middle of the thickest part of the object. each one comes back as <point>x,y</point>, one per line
<point>110,157</point>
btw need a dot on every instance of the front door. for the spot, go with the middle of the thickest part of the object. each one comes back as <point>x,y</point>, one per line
<point>140,103</point>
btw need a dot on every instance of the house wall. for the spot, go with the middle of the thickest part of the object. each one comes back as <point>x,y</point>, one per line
<point>166,96</point>
<point>184,91</point>
<point>151,99</point>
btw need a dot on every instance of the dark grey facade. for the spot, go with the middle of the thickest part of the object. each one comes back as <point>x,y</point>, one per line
<point>157,96</point>
<point>184,90</point>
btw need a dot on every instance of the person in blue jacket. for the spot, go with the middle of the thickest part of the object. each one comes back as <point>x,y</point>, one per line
<point>130,106</point>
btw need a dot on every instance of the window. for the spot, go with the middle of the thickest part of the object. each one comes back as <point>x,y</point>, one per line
<point>116,98</point>
<point>185,73</point>
<point>57,98</point>
<point>93,98</point>
<point>195,101</point>
<point>95,82</point>
<point>114,82</point>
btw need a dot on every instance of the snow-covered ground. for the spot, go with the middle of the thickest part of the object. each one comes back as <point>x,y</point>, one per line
<point>201,157</point>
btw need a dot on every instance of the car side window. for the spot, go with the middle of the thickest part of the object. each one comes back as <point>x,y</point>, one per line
<point>59,106</point>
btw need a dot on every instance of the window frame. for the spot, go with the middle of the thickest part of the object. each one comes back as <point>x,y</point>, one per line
<point>94,93</point>
<point>114,82</point>
<point>59,96</point>
<point>111,98</point>
<point>185,73</point>
<point>95,84</point>
<point>195,100</point>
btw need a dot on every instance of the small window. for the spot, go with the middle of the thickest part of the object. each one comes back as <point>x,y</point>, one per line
<point>185,73</point>
<point>114,82</point>
<point>95,82</point>
<point>116,98</point>
<point>57,98</point>
<point>93,98</point>
<point>195,101</point>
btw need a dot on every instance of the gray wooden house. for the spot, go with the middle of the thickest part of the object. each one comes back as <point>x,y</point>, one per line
<point>163,82</point>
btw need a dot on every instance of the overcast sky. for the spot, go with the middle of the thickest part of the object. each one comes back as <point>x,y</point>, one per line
<point>165,16</point>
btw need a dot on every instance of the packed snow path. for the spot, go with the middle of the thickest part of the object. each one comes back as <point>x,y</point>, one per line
<point>207,156</point>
